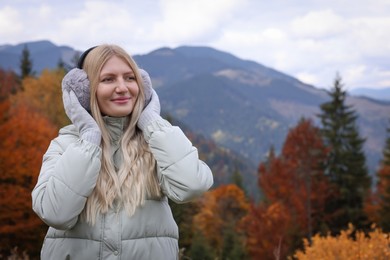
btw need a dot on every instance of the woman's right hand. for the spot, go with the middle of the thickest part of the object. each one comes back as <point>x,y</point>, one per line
<point>150,113</point>
<point>87,126</point>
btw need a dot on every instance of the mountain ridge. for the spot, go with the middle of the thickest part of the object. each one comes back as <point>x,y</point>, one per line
<point>240,104</point>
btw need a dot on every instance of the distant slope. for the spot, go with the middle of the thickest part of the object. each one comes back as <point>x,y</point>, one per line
<point>246,106</point>
<point>241,105</point>
<point>44,54</point>
<point>380,94</point>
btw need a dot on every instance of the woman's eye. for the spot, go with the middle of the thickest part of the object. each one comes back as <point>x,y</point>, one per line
<point>130,78</point>
<point>108,79</point>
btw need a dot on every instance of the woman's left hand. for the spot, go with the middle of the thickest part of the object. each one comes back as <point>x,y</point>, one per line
<point>151,112</point>
<point>147,83</point>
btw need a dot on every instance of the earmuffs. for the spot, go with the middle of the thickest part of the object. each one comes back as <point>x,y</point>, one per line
<point>80,62</point>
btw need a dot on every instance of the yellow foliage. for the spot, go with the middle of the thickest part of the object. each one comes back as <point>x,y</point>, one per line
<point>220,208</point>
<point>374,245</point>
<point>45,94</point>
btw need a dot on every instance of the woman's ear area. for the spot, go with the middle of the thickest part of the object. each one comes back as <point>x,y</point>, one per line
<point>80,62</point>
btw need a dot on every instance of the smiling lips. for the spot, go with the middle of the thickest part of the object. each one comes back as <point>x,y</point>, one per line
<point>121,100</point>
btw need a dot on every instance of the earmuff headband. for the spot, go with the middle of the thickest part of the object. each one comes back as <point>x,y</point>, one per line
<point>80,63</point>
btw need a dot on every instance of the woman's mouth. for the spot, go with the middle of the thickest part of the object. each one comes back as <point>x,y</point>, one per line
<point>121,100</point>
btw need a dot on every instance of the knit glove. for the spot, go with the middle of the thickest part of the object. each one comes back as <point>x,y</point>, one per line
<point>150,113</point>
<point>76,80</point>
<point>72,83</point>
<point>147,83</point>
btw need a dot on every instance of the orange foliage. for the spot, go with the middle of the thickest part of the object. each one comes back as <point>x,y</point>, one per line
<point>376,245</point>
<point>45,95</point>
<point>25,135</point>
<point>371,206</point>
<point>265,227</point>
<point>220,208</point>
<point>296,178</point>
<point>9,84</point>
<point>295,191</point>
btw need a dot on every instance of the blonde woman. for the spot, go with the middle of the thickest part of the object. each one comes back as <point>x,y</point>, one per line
<point>105,179</point>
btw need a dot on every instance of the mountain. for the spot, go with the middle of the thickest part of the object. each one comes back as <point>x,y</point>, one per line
<point>245,106</point>
<point>380,94</point>
<point>241,105</point>
<point>44,54</point>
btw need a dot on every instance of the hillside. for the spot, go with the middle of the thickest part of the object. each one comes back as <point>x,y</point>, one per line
<point>245,106</point>
<point>240,105</point>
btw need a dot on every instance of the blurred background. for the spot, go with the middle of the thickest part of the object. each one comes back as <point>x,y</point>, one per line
<point>288,102</point>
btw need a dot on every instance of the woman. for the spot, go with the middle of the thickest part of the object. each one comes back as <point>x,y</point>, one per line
<point>105,179</point>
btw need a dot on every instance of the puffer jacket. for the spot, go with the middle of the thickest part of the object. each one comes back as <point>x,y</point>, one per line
<point>68,176</point>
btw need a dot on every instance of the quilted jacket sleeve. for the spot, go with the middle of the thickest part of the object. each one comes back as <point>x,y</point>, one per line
<point>182,175</point>
<point>68,176</point>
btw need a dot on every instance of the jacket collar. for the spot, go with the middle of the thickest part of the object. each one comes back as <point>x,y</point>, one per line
<point>116,126</point>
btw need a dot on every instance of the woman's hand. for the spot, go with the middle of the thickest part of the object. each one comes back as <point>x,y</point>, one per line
<point>151,112</point>
<point>147,83</point>
<point>87,126</point>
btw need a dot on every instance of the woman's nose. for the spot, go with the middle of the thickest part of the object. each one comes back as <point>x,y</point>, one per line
<point>121,86</point>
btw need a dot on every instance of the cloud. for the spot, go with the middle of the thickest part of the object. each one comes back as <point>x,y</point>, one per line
<point>371,35</point>
<point>187,20</point>
<point>319,24</point>
<point>310,40</point>
<point>97,22</point>
<point>10,23</point>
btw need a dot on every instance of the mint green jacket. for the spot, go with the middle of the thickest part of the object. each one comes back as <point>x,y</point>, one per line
<point>68,176</point>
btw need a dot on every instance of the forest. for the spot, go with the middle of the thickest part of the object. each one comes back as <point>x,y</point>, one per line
<point>318,200</point>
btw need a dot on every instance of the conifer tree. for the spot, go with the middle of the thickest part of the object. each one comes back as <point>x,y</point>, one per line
<point>25,63</point>
<point>384,187</point>
<point>346,163</point>
<point>238,180</point>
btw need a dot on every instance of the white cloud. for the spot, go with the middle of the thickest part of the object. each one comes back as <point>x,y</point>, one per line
<point>45,11</point>
<point>371,35</point>
<point>311,40</point>
<point>187,20</point>
<point>318,24</point>
<point>10,23</point>
<point>308,78</point>
<point>97,22</point>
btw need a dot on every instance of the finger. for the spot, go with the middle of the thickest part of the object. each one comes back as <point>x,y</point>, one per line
<point>73,98</point>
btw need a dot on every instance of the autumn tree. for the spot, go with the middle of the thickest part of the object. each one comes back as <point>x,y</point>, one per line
<point>219,217</point>
<point>9,84</point>
<point>351,244</point>
<point>383,187</point>
<point>346,165</point>
<point>293,185</point>
<point>26,63</point>
<point>25,135</point>
<point>305,151</point>
<point>44,93</point>
<point>266,231</point>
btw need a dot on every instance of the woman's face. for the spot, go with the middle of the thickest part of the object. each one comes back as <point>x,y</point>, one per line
<point>117,90</point>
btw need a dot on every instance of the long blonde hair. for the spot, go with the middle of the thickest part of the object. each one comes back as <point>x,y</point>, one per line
<point>136,179</point>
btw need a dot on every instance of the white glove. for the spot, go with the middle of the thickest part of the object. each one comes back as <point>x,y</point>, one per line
<point>150,113</point>
<point>147,83</point>
<point>87,126</point>
<point>77,80</point>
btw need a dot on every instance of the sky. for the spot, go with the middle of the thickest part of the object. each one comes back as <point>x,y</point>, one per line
<point>312,40</point>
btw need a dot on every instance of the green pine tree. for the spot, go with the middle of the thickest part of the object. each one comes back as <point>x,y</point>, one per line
<point>200,249</point>
<point>384,184</point>
<point>346,164</point>
<point>237,179</point>
<point>26,63</point>
<point>233,247</point>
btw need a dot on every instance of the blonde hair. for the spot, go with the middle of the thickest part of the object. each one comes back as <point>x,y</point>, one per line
<point>136,179</point>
